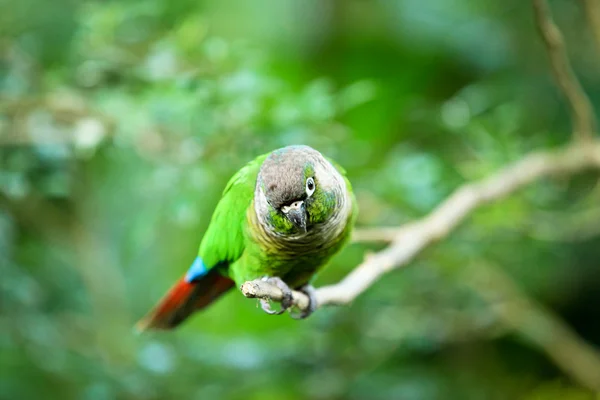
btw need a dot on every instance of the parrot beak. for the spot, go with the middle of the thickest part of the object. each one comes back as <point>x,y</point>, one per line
<point>296,213</point>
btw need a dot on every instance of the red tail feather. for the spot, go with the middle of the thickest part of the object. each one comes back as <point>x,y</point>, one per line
<point>183,299</point>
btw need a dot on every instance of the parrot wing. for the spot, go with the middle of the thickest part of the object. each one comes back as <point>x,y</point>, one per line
<point>222,244</point>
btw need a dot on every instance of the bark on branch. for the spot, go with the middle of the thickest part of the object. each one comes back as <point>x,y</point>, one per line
<point>259,289</point>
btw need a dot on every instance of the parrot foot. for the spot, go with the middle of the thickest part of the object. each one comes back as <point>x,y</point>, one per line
<point>286,301</point>
<point>311,292</point>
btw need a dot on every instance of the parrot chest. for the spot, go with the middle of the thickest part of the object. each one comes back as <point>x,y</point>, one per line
<point>295,259</point>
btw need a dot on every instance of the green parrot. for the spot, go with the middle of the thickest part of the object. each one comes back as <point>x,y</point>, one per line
<point>281,218</point>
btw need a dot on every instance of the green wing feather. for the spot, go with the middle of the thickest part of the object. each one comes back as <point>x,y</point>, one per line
<point>223,243</point>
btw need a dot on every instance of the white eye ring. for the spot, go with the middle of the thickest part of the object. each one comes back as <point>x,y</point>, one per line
<point>310,186</point>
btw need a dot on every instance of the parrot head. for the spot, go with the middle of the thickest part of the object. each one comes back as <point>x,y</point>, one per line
<point>297,189</point>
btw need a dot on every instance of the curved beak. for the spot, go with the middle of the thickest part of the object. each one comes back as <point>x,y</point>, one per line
<point>297,215</point>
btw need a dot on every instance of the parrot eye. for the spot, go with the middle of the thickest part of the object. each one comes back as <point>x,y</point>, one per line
<point>310,186</point>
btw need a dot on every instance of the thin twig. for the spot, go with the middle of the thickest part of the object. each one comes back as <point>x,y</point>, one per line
<point>592,10</point>
<point>582,113</point>
<point>413,238</point>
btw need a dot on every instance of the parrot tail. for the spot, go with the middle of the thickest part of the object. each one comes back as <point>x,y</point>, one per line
<point>184,298</point>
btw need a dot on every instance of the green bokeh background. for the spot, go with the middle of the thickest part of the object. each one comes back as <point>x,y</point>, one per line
<point>121,121</point>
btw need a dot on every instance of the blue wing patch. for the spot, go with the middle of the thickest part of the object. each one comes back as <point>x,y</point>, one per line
<point>197,270</point>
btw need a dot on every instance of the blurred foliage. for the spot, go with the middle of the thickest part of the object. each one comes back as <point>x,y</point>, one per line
<point>120,123</point>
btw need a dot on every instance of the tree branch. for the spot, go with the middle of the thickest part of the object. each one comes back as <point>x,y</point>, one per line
<point>582,113</point>
<point>526,317</point>
<point>409,240</point>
